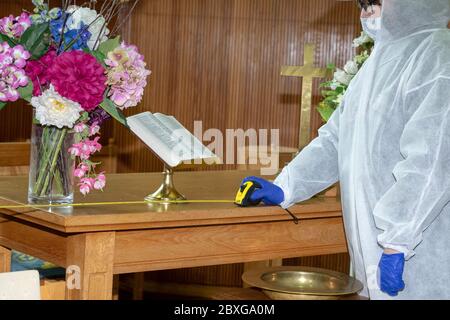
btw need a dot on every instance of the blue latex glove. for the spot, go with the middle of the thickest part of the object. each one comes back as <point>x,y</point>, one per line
<point>391,273</point>
<point>269,193</point>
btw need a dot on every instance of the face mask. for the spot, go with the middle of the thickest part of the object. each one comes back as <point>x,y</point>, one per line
<point>371,26</point>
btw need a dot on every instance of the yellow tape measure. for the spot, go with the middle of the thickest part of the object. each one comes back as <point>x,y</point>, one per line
<point>122,203</point>
<point>243,197</point>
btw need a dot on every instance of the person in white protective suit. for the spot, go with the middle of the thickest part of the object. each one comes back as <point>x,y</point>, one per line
<point>389,146</point>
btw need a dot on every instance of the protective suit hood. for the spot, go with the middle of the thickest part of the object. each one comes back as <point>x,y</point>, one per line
<point>402,18</point>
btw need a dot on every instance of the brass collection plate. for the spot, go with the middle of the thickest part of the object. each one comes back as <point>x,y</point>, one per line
<point>286,282</point>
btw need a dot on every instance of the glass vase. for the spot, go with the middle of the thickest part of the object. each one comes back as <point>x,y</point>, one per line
<point>51,165</point>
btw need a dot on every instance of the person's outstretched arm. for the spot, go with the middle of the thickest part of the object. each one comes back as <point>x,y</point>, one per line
<point>315,168</point>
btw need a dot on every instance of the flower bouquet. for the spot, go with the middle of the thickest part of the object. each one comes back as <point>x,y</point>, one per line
<point>67,64</point>
<point>337,87</point>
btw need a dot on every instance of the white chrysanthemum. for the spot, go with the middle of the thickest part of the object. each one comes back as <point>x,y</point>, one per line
<point>343,77</point>
<point>87,16</point>
<point>54,110</point>
<point>351,67</point>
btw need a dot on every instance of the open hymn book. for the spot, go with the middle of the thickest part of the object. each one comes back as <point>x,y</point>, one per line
<point>170,140</point>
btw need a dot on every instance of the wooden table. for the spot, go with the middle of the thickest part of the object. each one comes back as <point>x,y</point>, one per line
<point>94,243</point>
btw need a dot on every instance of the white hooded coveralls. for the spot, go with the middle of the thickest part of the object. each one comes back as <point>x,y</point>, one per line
<point>389,146</point>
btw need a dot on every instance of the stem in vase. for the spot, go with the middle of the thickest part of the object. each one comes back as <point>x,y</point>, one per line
<point>46,149</point>
<point>54,159</point>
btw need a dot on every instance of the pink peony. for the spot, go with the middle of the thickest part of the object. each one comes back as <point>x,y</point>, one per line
<point>37,71</point>
<point>78,76</point>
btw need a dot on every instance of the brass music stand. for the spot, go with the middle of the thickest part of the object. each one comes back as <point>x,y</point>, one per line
<point>167,191</point>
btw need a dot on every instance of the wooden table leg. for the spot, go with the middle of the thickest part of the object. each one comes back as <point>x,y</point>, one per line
<point>90,259</point>
<point>5,259</point>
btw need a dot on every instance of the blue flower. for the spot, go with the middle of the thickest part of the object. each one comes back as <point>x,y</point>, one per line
<point>76,38</point>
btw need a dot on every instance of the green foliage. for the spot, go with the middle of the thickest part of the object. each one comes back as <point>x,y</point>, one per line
<point>84,117</point>
<point>325,111</point>
<point>98,55</point>
<point>113,111</point>
<point>26,93</point>
<point>2,105</point>
<point>109,45</point>
<point>333,90</point>
<point>102,52</point>
<point>7,39</point>
<point>36,40</point>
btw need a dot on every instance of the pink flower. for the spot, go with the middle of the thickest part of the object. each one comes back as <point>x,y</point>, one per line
<point>20,56</point>
<point>78,76</point>
<point>76,150</point>
<point>94,145</point>
<point>88,181</point>
<point>84,167</point>
<point>80,127</point>
<point>94,129</point>
<point>85,155</point>
<point>12,74</point>
<point>14,27</point>
<point>100,182</point>
<point>127,76</point>
<point>86,185</point>
<point>84,188</point>
<point>79,173</point>
<point>37,71</point>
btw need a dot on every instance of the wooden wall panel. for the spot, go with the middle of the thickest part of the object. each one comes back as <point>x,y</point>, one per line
<point>15,118</point>
<point>231,275</point>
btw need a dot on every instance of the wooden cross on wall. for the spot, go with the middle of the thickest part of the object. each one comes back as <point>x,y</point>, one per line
<point>308,72</point>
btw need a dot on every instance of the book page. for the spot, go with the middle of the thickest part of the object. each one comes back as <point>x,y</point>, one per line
<point>156,136</point>
<point>196,149</point>
<point>168,138</point>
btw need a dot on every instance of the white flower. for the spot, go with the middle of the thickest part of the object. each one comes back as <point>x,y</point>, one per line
<point>343,77</point>
<point>86,16</point>
<point>351,67</point>
<point>362,39</point>
<point>54,110</point>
